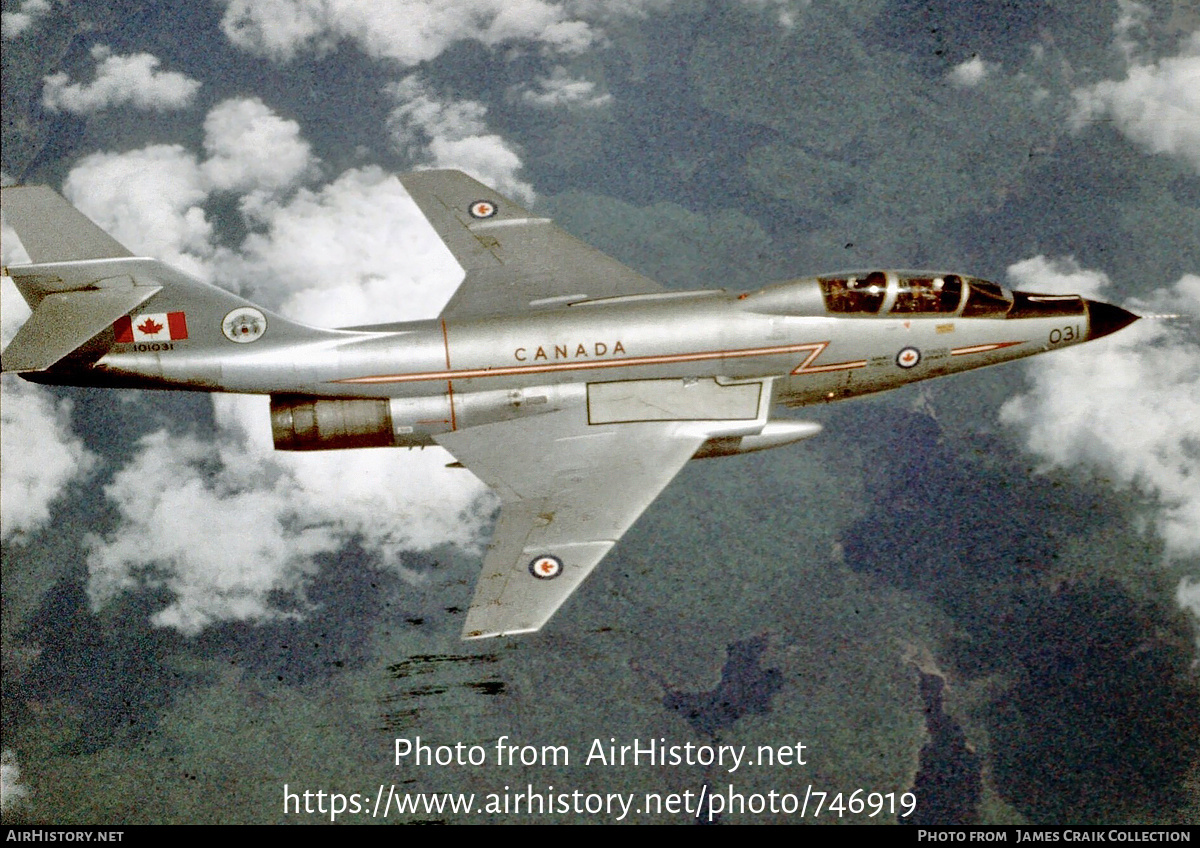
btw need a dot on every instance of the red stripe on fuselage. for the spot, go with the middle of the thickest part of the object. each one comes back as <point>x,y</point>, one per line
<point>982,348</point>
<point>449,383</point>
<point>813,348</point>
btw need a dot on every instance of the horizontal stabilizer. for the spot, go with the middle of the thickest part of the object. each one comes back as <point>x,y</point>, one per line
<point>65,320</point>
<point>52,230</point>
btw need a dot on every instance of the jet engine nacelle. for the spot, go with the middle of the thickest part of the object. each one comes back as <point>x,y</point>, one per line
<point>774,434</point>
<point>304,422</point>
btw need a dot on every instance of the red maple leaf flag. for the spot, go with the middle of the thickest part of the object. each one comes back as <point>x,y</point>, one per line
<point>152,327</point>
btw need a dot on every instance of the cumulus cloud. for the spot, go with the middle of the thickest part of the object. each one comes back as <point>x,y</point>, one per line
<point>227,525</point>
<point>220,536</point>
<point>559,89</point>
<point>407,31</point>
<point>1056,276</point>
<point>12,792</point>
<point>1128,404</point>
<point>13,24</point>
<point>250,147</point>
<point>13,309</point>
<point>152,199</point>
<point>970,73</point>
<point>358,251</point>
<point>39,455</point>
<point>1156,105</point>
<point>120,81</point>
<point>149,199</point>
<point>453,134</point>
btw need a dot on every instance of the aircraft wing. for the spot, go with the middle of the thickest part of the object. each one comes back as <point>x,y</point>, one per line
<point>568,492</point>
<point>512,258</point>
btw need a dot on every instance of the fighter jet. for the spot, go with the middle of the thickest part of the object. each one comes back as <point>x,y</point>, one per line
<point>571,384</point>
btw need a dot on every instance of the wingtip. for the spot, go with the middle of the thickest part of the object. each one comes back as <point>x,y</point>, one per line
<point>473,635</point>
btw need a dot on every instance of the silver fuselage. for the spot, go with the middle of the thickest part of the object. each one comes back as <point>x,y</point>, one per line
<point>443,375</point>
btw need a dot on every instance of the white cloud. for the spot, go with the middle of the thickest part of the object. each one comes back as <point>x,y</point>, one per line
<point>1187,594</point>
<point>12,792</point>
<point>250,147</point>
<point>970,73</point>
<point>1128,404</point>
<point>421,116</point>
<point>13,24</point>
<point>357,251</point>
<point>453,134</point>
<point>13,309</point>
<point>39,455</point>
<point>407,31</point>
<point>120,81</point>
<point>214,524</point>
<point>1056,276</point>
<point>1156,106</point>
<point>561,90</point>
<point>149,200</point>
<point>224,524</point>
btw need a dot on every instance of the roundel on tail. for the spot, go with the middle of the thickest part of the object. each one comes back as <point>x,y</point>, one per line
<point>244,325</point>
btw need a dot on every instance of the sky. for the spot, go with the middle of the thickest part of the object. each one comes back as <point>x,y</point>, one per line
<point>192,621</point>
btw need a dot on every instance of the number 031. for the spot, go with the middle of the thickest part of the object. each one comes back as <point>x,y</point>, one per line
<point>1065,334</point>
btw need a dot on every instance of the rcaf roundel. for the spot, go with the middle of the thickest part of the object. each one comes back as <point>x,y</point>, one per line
<point>244,325</point>
<point>908,357</point>
<point>545,567</point>
<point>482,209</point>
<point>151,327</point>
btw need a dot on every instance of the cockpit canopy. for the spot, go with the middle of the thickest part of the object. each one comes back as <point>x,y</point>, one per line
<point>913,293</point>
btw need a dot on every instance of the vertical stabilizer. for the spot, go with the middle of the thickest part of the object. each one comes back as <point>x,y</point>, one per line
<point>52,230</point>
<point>88,291</point>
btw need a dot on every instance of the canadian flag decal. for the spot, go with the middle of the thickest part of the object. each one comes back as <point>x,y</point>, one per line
<point>154,327</point>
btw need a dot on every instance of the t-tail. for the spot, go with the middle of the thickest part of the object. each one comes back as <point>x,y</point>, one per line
<point>90,296</point>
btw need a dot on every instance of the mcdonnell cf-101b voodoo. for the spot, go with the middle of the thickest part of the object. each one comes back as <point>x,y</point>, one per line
<point>569,383</point>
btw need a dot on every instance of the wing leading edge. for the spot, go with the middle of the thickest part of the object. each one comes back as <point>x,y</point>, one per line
<point>512,258</point>
<point>568,492</point>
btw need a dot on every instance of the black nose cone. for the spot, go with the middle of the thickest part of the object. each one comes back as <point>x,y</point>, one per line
<point>1104,318</point>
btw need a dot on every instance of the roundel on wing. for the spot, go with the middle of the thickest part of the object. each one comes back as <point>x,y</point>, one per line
<point>545,567</point>
<point>908,357</point>
<point>482,209</point>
